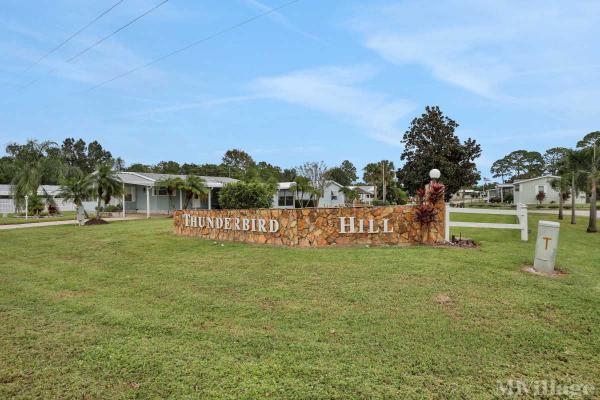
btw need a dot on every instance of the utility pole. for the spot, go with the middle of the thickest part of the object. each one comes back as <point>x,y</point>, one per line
<point>593,208</point>
<point>383,179</point>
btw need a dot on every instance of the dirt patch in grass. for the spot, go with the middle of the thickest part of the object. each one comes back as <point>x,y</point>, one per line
<point>558,272</point>
<point>65,294</point>
<point>448,305</point>
<point>95,221</point>
<point>443,299</point>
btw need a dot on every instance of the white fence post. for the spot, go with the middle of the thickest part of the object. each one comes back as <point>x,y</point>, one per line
<point>447,222</point>
<point>522,213</point>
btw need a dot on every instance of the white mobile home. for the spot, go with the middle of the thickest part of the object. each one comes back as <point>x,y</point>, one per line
<point>143,195</point>
<point>331,196</point>
<point>366,193</point>
<point>526,190</point>
<point>287,196</point>
<point>7,204</point>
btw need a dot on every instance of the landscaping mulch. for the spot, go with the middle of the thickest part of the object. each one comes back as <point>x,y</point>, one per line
<point>95,221</point>
<point>462,242</point>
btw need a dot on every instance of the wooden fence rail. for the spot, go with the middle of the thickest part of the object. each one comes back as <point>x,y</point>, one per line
<point>520,213</point>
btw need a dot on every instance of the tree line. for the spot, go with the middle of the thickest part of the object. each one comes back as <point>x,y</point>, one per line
<point>430,142</point>
<point>576,170</point>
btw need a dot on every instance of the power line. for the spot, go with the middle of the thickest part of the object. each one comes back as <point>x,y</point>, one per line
<point>195,43</point>
<point>99,41</point>
<point>61,44</point>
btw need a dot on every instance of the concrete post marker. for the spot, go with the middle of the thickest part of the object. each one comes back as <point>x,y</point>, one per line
<point>546,246</point>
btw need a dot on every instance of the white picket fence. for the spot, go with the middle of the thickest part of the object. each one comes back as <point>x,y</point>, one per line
<point>520,213</point>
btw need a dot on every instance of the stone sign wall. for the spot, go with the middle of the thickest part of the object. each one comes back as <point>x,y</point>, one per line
<point>312,227</point>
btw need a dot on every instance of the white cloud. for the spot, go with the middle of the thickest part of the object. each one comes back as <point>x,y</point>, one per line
<point>337,91</point>
<point>280,19</point>
<point>528,53</point>
<point>195,105</point>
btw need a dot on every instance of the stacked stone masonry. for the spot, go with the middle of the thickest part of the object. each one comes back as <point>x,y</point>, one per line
<point>312,227</point>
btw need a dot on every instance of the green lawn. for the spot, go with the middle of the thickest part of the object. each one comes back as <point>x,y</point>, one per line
<point>128,310</point>
<point>12,219</point>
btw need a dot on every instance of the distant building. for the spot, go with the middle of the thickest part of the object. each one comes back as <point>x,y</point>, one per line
<point>7,204</point>
<point>143,195</point>
<point>466,195</point>
<point>526,190</point>
<point>366,193</point>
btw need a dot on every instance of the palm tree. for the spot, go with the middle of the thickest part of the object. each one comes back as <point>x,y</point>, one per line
<point>32,168</point>
<point>572,171</point>
<point>76,190</point>
<point>350,195</point>
<point>302,185</point>
<point>562,187</point>
<point>106,183</point>
<point>50,202</point>
<point>171,185</point>
<point>590,142</point>
<point>193,185</point>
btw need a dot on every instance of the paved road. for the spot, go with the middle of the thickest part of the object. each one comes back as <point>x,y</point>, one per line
<point>579,213</point>
<point>54,223</point>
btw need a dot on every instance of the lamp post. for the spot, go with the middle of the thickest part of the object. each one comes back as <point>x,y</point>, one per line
<point>26,206</point>
<point>435,174</point>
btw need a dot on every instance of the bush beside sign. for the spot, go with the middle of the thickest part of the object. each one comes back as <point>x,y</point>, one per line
<point>313,227</point>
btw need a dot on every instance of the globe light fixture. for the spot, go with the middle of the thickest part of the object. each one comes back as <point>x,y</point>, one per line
<point>435,173</point>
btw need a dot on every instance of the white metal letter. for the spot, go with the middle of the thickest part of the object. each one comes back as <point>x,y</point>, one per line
<point>344,225</point>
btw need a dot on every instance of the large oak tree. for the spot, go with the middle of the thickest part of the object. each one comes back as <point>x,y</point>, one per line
<point>429,143</point>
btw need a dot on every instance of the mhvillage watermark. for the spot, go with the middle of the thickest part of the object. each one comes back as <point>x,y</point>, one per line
<point>346,224</point>
<point>544,388</point>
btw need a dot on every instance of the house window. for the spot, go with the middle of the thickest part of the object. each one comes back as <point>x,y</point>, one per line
<point>541,189</point>
<point>160,192</point>
<point>285,199</point>
<point>333,195</point>
<point>129,193</point>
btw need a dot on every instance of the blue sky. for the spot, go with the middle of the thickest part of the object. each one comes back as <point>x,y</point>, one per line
<point>318,80</point>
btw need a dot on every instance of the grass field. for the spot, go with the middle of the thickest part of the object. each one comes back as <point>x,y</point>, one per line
<point>11,219</point>
<point>128,310</point>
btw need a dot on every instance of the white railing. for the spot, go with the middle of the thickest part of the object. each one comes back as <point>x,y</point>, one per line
<point>520,213</point>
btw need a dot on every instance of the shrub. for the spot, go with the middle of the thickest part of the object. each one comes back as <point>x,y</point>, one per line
<point>402,197</point>
<point>435,192</point>
<point>421,193</point>
<point>240,195</point>
<point>509,198</point>
<point>35,205</point>
<point>52,209</point>
<point>426,214</point>
<point>540,197</point>
<point>495,200</point>
<point>113,208</point>
<point>395,195</point>
<point>378,203</point>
